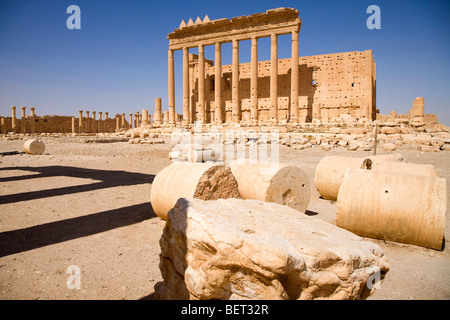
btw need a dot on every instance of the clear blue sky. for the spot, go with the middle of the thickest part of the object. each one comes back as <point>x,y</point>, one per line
<point>117,62</point>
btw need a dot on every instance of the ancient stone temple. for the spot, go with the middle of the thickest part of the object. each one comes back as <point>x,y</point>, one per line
<point>293,90</point>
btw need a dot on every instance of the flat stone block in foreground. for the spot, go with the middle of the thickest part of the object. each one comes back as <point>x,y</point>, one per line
<point>249,249</point>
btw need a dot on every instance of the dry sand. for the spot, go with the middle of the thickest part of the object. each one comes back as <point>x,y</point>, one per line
<point>88,205</point>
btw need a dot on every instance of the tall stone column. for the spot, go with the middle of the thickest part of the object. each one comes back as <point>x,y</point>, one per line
<point>236,113</point>
<point>192,107</point>
<point>254,81</point>
<point>157,116</point>
<point>88,123</point>
<point>130,123</point>
<point>80,121</point>
<point>136,120</point>
<point>294,78</point>
<point>123,121</point>
<point>419,107</point>
<point>73,126</point>
<point>33,118</point>
<point>117,122</point>
<point>100,121</point>
<point>13,119</point>
<point>23,121</point>
<point>273,111</point>
<point>186,85</point>
<point>144,117</point>
<point>201,83</point>
<point>3,125</point>
<point>171,88</point>
<point>218,83</point>
<point>94,122</point>
<point>106,126</point>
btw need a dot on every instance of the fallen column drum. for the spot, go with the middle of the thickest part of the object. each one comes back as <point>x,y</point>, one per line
<point>331,170</point>
<point>398,207</point>
<point>406,168</point>
<point>272,182</point>
<point>203,155</point>
<point>34,147</point>
<point>191,180</point>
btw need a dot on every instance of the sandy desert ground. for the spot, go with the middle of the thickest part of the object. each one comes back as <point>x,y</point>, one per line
<point>88,205</point>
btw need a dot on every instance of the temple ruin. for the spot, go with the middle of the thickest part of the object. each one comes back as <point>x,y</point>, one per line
<point>320,89</point>
<point>298,89</point>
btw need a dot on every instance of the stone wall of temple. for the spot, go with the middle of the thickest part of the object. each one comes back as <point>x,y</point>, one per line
<point>58,124</point>
<point>329,85</point>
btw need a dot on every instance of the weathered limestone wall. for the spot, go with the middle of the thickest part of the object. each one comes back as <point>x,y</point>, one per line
<point>332,84</point>
<point>57,124</point>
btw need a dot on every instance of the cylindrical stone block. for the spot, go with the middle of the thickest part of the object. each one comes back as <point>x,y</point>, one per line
<point>144,117</point>
<point>406,168</point>
<point>23,121</point>
<point>273,110</point>
<point>254,81</point>
<point>419,107</point>
<point>330,171</point>
<point>34,147</point>
<point>201,83</point>
<point>171,81</point>
<point>13,118</point>
<point>294,78</point>
<point>32,117</point>
<point>218,83</point>
<point>203,155</point>
<point>279,183</point>
<point>157,117</point>
<point>236,109</point>
<point>393,206</point>
<point>191,180</point>
<point>186,85</point>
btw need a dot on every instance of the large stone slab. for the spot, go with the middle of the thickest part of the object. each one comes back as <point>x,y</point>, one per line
<point>249,249</point>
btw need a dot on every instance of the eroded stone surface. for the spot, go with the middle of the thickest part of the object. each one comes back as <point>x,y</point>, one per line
<point>248,249</point>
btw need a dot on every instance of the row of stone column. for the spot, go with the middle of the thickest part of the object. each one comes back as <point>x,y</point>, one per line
<point>23,121</point>
<point>88,124</point>
<point>236,105</point>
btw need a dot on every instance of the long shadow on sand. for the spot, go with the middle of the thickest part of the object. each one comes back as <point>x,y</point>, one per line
<point>34,237</point>
<point>108,179</point>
